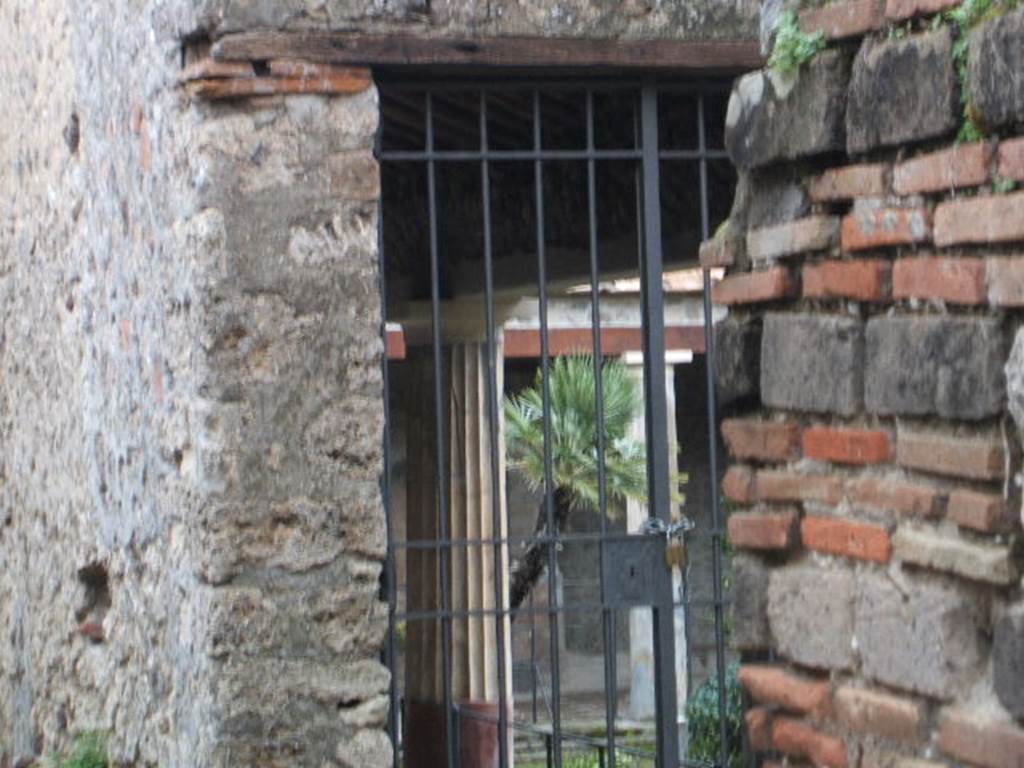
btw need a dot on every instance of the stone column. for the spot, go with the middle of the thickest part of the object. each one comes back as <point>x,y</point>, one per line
<point>472,569</point>
<point>641,633</point>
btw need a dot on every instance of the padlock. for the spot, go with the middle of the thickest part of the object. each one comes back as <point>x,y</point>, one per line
<point>675,553</point>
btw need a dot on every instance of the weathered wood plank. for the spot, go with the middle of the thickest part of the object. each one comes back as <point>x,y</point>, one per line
<point>405,50</point>
<point>338,82</point>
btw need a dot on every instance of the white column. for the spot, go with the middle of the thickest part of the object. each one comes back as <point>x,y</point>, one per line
<point>641,631</point>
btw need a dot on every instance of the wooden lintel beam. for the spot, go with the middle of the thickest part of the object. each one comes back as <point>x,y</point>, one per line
<point>406,49</point>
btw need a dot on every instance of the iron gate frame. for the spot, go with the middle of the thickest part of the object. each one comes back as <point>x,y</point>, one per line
<point>649,154</point>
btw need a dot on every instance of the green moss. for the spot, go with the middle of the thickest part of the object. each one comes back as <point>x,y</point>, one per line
<point>88,751</point>
<point>793,47</point>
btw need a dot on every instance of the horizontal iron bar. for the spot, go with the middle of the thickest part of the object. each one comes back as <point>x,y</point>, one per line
<point>541,83</point>
<point>542,611</point>
<point>558,538</point>
<point>553,155</point>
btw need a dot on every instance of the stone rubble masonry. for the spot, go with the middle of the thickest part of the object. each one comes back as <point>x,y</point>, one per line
<point>920,634</point>
<point>797,739</point>
<point>773,118</point>
<point>995,61</point>
<point>847,445</point>
<point>958,280</point>
<point>966,165</point>
<point>814,233</point>
<point>895,496</point>
<point>990,563</point>
<point>859,279</point>
<point>979,511</point>
<point>874,228</point>
<point>768,684</point>
<point>981,741</point>
<point>949,366</point>
<point>851,18</point>
<point>1008,661</point>
<point>902,91</point>
<point>737,358</point>
<point>761,440</point>
<point>979,457</point>
<point>901,10</point>
<point>880,714</point>
<point>810,613</point>
<point>749,607</point>
<point>846,538</point>
<point>851,181</point>
<point>981,220</point>
<point>755,287</point>
<point>812,363</point>
<point>773,530</point>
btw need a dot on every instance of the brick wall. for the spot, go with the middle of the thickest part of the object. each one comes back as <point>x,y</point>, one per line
<point>875,286</point>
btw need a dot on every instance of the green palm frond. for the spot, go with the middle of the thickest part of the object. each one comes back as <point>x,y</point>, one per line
<point>574,443</point>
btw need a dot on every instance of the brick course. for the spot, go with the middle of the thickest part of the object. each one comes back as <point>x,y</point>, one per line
<point>880,714</point>
<point>848,538</point>
<point>1005,279</point>
<point>754,287</point>
<point>761,440</point>
<point>895,496</point>
<point>763,530</point>
<point>980,457</point>
<point>979,511</point>
<point>768,684</point>
<point>846,445</point>
<point>848,182</point>
<point>954,280</point>
<point>995,219</point>
<point>814,233</point>
<point>980,741</point>
<point>883,227</point>
<point>861,280</point>
<point>851,18</point>
<point>801,740</point>
<point>966,165</point>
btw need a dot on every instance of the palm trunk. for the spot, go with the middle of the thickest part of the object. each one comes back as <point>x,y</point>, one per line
<point>527,570</point>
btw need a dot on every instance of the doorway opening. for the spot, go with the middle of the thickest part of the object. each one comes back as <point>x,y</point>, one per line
<point>555,560</point>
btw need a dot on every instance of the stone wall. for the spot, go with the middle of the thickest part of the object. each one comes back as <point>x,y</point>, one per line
<point>190,396</point>
<point>879,263</point>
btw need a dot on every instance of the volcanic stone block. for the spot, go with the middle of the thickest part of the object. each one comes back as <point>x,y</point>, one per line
<point>902,91</point>
<point>812,363</point>
<point>810,613</point>
<point>951,366</point>
<point>749,608</point>
<point>921,635</point>
<point>737,358</point>
<point>1008,662</point>
<point>775,117</point>
<point>995,79</point>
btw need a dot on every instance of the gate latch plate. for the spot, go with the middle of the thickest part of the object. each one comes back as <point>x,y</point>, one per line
<point>634,569</point>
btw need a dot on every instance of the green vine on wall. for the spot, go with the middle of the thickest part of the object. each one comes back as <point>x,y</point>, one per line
<point>966,16</point>
<point>793,47</point>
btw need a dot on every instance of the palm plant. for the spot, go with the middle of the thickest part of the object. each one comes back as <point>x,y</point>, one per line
<point>573,449</point>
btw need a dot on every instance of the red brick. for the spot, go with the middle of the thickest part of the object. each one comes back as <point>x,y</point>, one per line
<point>720,251</point>
<point>955,280</point>
<point>852,18</point>
<point>761,440</point>
<point>862,280</point>
<point>210,68</point>
<point>339,81</point>
<point>768,684</point>
<point>895,496</point>
<point>981,457</point>
<point>981,741</point>
<point>1011,159</point>
<point>847,445</point>
<point>882,227</point>
<point>738,484</point>
<point>762,530</point>
<point>1005,277</point>
<point>880,714</point>
<point>993,219</point>
<point>759,728</point>
<point>979,511</point>
<point>966,165</point>
<point>752,287</point>
<point>801,740</point>
<point>814,233</point>
<point>848,182</point>
<point>781,485</point>
<point>899,10</point>
<point>861,541</point>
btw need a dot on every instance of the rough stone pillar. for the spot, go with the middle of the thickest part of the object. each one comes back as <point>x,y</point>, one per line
<point>471,569</point>
<point>641,632</point>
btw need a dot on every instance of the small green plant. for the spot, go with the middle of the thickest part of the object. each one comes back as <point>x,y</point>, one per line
<point>1003,186</point>
<point>793,47</point>
<point>89,750</point>
<point>703,722</point>
<point>967,15</point>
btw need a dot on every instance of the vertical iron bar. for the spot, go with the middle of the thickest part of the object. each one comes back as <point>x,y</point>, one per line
<point>385,481</point>
<point>533,662</point>
<point>611,685</point>
<point>549,491</point>
<point>442,441</point>
<point>717,524</point>
<point>656,419</point>
<point>492,414</point>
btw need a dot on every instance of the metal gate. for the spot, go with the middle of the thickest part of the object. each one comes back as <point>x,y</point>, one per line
<point>445,147</point>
